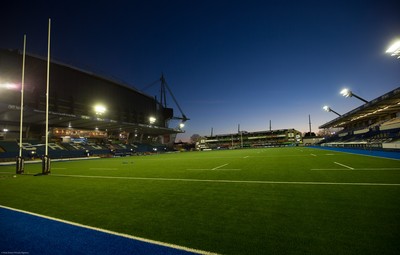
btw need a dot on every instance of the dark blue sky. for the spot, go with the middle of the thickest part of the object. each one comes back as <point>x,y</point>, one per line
<point>227,62</point>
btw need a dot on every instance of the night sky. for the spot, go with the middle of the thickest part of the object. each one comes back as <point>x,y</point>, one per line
<point>227,62</point>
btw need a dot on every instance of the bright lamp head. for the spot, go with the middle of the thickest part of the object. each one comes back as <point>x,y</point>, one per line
<point>394,47</point>
<point>152,120</point>
<point>326,108</point>
<point>346,93</point>
<point>99,109</point>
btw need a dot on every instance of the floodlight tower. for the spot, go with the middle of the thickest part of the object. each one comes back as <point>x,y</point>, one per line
<point>349,93</point>
<point>328,109</point>
<point>394,49</point>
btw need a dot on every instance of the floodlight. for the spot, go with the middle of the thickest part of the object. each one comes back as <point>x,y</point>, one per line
<point>349,93</point>
<point>346,93</point>
<point>152,120</point>
<point>328,109</point>
<point>9,86</point>
<point>394,49</point>
<point>99,109</point>
<point>181,125</point>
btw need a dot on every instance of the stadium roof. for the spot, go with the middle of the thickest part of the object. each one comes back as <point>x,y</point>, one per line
<point>98,74</point>
<point>382,106</point>
<point>128,111</point>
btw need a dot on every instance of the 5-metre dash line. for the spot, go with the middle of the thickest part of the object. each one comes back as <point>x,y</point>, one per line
<point>343,165</point>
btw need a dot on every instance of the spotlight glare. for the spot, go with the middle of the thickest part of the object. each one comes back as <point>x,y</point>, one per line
<point>394,47</point>
<point>99,109</point>
<point>152,120</point>
<point>345,92</point>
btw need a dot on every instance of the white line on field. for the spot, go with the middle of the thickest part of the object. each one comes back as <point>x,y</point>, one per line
<point>215,168</point>
<point>343,165</point>
<point>245,156</point>
<point>105,168</point>
<point>313,155</point>
<point>227,181</point>
<point>356,169</point>
<point>218,168</point>
<point>174,246</point>
<point>200,169</point>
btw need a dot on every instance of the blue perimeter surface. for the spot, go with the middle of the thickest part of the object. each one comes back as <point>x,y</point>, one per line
<point>22,233</point>
<point>382,154</point>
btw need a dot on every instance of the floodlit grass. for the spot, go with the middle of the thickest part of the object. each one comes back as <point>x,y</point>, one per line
<point>255,201</point>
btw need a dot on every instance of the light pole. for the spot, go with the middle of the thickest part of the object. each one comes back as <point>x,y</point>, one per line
<point>328,109</point>
<point>349,93</point>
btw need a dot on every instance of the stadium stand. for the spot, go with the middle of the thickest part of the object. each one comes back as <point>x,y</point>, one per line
<point>76,129</point>
<point>374,125</point>
<point>243,139</point>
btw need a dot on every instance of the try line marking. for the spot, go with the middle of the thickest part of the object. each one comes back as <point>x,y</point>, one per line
<point>226,181</point>
<point>174,246</point>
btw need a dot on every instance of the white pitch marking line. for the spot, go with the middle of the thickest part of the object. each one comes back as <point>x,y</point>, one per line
<point>358,169</point>
<point>199,169</point>
<point>215,168</point>
<point>245,156</point>
<point>343,165</point>
<point>332,169</point>
<point>174,246</point>
<point>103,168</point>
<point>313,155</point>
<point>227,181</point>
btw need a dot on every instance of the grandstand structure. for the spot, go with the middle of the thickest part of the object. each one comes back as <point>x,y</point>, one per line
<point>373,125</point>
<point>128,120</point>
<point>244,139</point>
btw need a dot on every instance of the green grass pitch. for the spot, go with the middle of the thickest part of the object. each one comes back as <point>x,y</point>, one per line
<point>253,201</point>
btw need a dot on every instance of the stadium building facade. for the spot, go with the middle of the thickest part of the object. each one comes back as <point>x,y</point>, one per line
<point>244,139</point>
<point>73,95</point>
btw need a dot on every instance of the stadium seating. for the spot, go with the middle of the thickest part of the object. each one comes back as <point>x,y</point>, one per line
<point>385,135</point>
<point>9,150</point>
